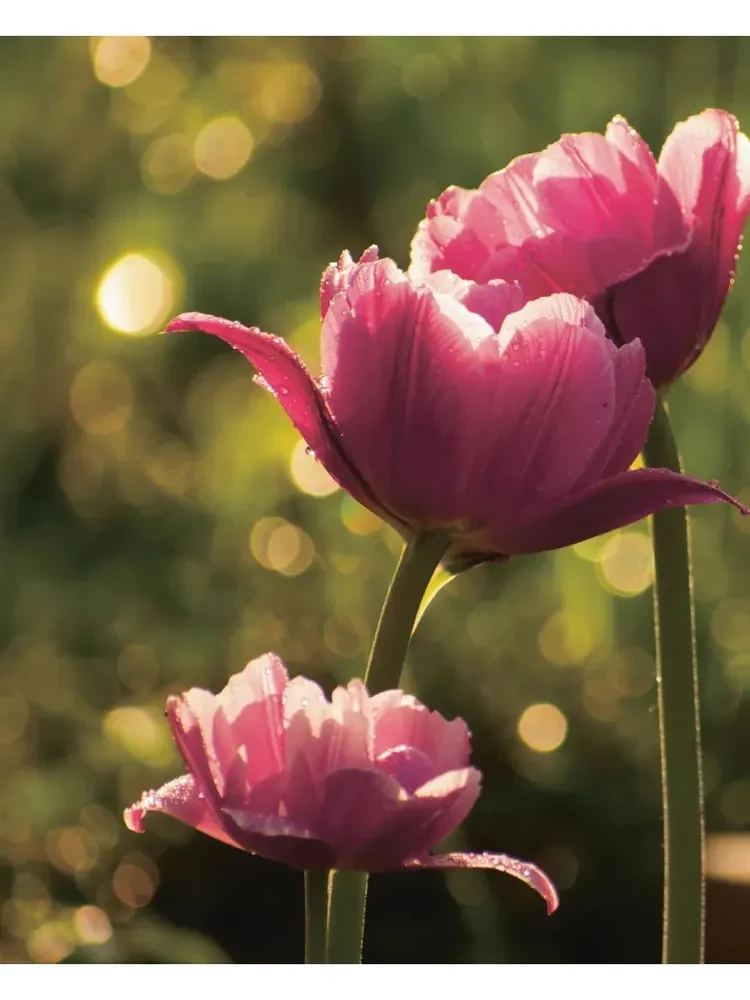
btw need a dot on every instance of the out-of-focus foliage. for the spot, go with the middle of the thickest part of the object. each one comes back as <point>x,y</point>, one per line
<point>161,523</point>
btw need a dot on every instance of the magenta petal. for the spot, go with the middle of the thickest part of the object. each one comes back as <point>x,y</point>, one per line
<point>283,372</point>
<point>630,419</point>
<point>252,705</point>
<point>186,730</point>
<point>182,800</point>
<point>673,305</point>
<point>445,743</point>
<point>336,276</point>
<point>358,806</point>
<point>613,503</point>
<point>281,840</point>
<point>523,870</point>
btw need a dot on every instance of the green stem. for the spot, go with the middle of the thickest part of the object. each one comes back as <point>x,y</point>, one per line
<point>679,717</point>
<point>418,562</point>
<point>316,916</point>
<point>346,917</point>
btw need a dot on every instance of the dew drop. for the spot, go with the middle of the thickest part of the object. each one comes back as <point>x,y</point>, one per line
<point>304,702</point>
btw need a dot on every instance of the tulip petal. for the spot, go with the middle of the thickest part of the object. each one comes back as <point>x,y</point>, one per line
<point>281,840</point>
<point>552,410</point>
<point>445,743</point>
<point>286,376</point>
<point>613,503</point>
<point>401,363</point>
<point>631,416</point>
<point>336,276</point>
<point>523,870</point>
<point>187,731</point>
<point>182,800</point>
<point>252,705</point>
<point>674,305</point>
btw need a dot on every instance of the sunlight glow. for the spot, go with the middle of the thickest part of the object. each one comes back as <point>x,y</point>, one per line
<point>135,295</point>
<point>119,61</point>
<point>308,474</point>
<point>543,728</point>
<point>223,147</point>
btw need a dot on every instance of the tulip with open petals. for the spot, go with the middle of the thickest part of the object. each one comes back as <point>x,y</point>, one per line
<point>450,406</point>
<point>652,245</point>
<point>362,783</point>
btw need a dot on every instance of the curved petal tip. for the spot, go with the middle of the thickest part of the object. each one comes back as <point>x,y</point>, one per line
<point>523,870</point>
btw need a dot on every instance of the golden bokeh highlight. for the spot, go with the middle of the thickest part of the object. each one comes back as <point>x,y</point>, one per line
<point>358,520</point>
<point>286,92</point>
<point>136,294</point>
<point>223,147</point>
<point>118,61</point>
<point>72,849</point>
<point>308,474</point>
<point>542,728</point>
<point>92,925</point>
<point>280,546</point>
<point>135,881</point>
<point>168,166</point>
<point>141,732</point>
<point>626,563</point>
<point>49,944</point>
<point>568,638</point>
<point>728,857</point>
<point>101,398</point>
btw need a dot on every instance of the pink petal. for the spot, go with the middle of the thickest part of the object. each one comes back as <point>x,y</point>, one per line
<point>673,306</point>
<point>510,211</point>
<point>624,138</point>
<point>336,276</point>
<point>404,361</point>
<point>252,705</point>
<point>409,767</point>
<point>181,799</point>
<point>613,503</point>
<point>445,743</point>
<point>522,870</point>
<point>631,417</point>
<point>358,806</point>
<point>443,242</point>
<point>281,840</point>
<point>552,409</point>
<point>493,301</point>
<point>459,791</point>
<point>186,730</point>
<point>375,825</point>
<point>284,373</point>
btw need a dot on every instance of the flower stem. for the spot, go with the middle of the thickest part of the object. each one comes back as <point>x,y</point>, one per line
<point>346,917</point>
<point>679,717</point>
<point>418,562</point>
<point>348,889</point>
<point>316,916</point>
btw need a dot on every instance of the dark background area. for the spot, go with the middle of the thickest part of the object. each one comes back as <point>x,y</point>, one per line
<point>160,524</point>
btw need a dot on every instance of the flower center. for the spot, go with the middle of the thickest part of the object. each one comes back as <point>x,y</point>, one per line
<point>411,768</point>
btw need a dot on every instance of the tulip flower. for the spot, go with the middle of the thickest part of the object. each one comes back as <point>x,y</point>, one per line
<point>651,245</point>
<point>457,407</point>
<point>360,782</point>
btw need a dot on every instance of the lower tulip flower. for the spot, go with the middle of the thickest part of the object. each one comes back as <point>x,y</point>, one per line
<point>364,783</point>
<point>457,407</point>
<point>652,245</point>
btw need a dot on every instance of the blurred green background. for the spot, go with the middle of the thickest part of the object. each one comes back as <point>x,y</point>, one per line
<point>161,525</point>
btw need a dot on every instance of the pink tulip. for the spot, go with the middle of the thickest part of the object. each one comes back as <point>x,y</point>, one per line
<point>652,246</point>
<point>359,782</point>
<point>459,407</point>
